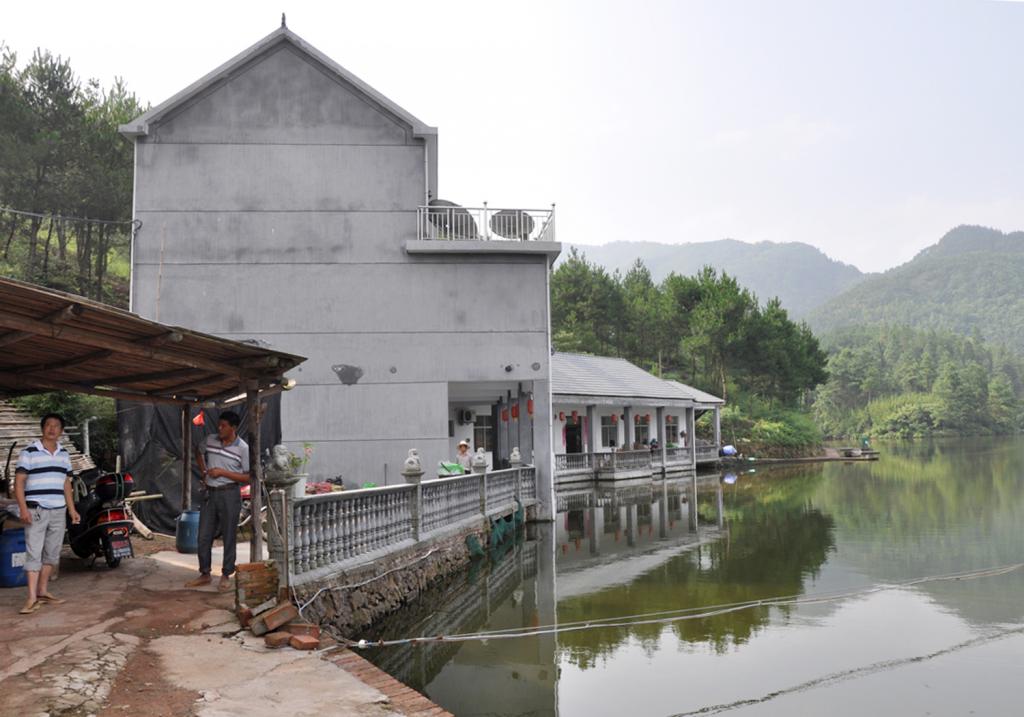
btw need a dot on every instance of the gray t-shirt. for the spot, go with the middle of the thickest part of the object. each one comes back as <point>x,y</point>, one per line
<point>233,457</point>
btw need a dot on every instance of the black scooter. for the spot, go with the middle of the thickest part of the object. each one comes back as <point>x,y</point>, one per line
<point>105,527</point>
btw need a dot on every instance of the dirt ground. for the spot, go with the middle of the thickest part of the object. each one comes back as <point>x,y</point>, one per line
<point>132,640</point>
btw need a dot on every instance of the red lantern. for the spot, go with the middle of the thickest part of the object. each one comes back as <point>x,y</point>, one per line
<point>615,418</point>
<point>529,406</point>
<point>515,411</point>
<point>561,415</point>
<point>575,416</point>
<point>647,418</point>
<point>504,415</point>
<point>636,418</point>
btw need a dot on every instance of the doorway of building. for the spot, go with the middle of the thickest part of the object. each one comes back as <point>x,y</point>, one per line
<point>573,438</point>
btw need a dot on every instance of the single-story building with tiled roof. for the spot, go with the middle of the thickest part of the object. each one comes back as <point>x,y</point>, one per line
<point>607,411</point>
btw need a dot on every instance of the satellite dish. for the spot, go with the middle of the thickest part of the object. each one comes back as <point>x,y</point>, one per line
<point>512,224</point>
<point>451,221</point>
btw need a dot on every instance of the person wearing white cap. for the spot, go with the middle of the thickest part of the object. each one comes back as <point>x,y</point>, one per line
<point>465,458</point>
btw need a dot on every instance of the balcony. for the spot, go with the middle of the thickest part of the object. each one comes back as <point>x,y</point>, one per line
<point>445,228</point>
<point>454,223</point>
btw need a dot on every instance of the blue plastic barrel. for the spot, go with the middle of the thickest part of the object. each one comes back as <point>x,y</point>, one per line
<point>186,534</point>
<point>12,558</point>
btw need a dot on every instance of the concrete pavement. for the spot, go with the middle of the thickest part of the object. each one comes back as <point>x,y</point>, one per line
<point>133,641</point>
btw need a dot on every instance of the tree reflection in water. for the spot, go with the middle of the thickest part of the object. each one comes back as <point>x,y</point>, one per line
<point>775,541</point>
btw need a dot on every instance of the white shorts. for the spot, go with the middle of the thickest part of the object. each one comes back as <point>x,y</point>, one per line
<point>44,537</point>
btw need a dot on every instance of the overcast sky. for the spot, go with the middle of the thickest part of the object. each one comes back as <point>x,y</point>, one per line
<point>864,128</point>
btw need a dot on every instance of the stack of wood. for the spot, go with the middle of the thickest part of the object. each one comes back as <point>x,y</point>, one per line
<point>267,613</point>
<point>22,429</point>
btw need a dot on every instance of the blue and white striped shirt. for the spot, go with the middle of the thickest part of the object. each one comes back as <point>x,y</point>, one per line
<point>46,473</point>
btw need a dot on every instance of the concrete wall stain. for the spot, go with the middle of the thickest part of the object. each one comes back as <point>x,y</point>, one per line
<point>348,375</point>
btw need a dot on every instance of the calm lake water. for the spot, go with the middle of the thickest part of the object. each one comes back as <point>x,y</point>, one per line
<point>950,647</point>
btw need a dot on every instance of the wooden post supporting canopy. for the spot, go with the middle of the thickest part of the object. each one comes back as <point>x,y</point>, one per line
<point>252,411</point>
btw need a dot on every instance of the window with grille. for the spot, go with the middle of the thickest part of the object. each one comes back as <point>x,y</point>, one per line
<point>609,432</point>
<point>483,433</point>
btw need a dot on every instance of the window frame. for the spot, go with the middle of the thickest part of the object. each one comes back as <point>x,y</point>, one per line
<point>483,428</point>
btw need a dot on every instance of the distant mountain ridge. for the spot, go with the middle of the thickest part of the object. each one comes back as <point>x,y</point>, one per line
<point>802,276</point>
<point>971,281</point>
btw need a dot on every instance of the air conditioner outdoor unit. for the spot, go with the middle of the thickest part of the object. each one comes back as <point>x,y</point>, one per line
<point>465,416</point>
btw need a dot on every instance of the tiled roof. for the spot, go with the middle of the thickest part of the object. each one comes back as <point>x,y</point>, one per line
<point>586,375</point>
<point>696,394</point>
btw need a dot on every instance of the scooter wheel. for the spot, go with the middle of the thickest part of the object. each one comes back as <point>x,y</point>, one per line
<point>112,562</point>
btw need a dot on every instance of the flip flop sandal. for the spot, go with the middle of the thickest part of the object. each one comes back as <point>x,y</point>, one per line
<point>51,600</point>
<point>30,609</point>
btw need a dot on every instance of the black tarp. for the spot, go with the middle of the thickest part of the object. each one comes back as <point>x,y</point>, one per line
<point>150,438</point>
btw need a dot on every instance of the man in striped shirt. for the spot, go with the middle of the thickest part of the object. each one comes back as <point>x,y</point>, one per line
<point>42,487</point>
<point>224,464</point>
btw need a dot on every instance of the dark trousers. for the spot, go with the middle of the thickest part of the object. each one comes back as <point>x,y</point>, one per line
<point>219,514</point>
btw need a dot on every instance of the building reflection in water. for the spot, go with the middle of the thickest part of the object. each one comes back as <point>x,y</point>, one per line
<point>601,537</point>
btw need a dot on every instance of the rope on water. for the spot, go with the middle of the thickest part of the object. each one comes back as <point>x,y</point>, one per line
<point>691,613</point>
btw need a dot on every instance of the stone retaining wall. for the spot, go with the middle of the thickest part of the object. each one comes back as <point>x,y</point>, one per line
<point>351,601</point>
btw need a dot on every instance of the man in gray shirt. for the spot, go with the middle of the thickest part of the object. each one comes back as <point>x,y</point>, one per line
<point>224,464</point>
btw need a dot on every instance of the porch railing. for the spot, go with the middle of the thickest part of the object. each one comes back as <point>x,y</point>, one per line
<point>574,461</point>
<point>485,224</point>
<point>623,460</point>
<point>344,529</point>
<point>707,452</point>
<point>674,455</point>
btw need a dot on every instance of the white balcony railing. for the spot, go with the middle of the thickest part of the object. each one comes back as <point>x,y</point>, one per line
<point>485,224</point>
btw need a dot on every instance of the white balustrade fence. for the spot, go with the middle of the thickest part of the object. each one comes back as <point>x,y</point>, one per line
<point>448,501</point>
<point>574,461</point>
<point>344,529</point>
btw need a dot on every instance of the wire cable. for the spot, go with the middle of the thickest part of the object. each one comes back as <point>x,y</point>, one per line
<point>60,217</point>
<point>682,614</point>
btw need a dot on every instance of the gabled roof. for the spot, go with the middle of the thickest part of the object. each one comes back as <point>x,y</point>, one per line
<point>140,125</point>
<point>697,395</point>
<point>586,375</point>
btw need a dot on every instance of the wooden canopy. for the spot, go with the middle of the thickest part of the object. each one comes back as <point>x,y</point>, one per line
<point>54,341</point>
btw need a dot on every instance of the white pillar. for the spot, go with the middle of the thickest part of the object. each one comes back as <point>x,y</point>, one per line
<point>543,452</point>
<point>662,442</point>
<point>718,426</point>
<point>691,438</point>
<point>591,446</point>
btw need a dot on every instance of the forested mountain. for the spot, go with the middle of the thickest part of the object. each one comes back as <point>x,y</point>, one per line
<point>801,276</point>
<point>886,380</point>
<point>971,283</point>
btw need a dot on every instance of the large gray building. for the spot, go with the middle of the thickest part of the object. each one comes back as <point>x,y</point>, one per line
<point>283,200</point>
